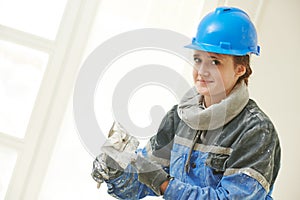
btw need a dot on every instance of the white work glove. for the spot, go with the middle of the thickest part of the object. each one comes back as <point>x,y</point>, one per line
<point>120,145</point>
<point>119,149</point>
<point>105,168</point>
<point>120,139</point>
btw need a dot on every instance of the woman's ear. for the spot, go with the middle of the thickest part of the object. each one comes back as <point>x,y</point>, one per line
<point>240,70</point>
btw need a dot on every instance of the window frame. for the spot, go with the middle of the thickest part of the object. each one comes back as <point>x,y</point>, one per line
<point>65,56</point>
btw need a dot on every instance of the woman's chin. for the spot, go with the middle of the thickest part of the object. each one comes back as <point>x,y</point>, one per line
<point>202,90</point>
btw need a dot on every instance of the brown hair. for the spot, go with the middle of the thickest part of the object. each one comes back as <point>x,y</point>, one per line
<point>245,61</point>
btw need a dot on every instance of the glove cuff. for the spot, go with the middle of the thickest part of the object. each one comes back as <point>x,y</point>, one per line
<point>158,180</point>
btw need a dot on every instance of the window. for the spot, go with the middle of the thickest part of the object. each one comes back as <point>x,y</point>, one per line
<point>8,159</point>
<point>25,27</point>
<point>21,72</point>
<point>41,18</point>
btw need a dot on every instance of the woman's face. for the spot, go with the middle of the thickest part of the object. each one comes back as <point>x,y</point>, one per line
<point>214,74</point>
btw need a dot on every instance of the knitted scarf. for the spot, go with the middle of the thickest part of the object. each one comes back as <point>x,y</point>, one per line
<point>191,110</point>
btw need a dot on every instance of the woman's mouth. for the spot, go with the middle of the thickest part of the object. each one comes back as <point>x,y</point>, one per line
<point>204,81</point>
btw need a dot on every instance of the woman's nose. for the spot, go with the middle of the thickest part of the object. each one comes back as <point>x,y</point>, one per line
<point>202,70</point>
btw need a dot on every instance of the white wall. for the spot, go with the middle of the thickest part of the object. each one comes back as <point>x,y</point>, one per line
<point>276,85</point>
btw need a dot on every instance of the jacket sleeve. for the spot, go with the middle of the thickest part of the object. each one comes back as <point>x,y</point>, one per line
<point>158,150</point>
<point>248,174</point>
<point>245,188</point>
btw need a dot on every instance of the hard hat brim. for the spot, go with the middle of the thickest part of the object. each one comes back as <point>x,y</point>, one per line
<point>219,50</point>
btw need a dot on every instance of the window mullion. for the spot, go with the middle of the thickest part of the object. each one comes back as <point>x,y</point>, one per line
<point>26,39</point>
<point>11,142</point>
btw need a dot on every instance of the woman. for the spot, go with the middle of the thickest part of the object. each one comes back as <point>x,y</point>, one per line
<point>216,143</point>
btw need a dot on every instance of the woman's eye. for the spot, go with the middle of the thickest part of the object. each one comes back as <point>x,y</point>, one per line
<point>215,62</point>
<point>197,60</point>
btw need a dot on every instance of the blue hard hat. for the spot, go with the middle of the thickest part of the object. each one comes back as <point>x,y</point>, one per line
<point>227,30</point>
